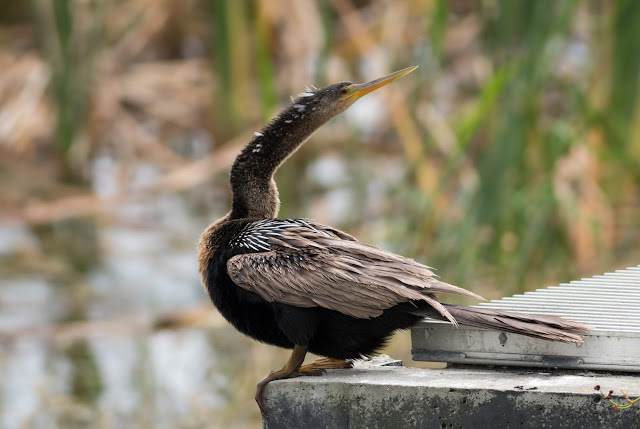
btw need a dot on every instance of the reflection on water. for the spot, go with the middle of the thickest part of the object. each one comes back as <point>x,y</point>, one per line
<point>159,380</point>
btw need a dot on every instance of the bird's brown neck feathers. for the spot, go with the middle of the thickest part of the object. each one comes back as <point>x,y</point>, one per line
<point>255,194</point>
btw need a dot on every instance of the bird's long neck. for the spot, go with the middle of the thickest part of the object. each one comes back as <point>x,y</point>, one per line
<point>254,191</point>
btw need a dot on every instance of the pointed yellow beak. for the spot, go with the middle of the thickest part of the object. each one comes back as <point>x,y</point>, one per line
<point>357,90</point>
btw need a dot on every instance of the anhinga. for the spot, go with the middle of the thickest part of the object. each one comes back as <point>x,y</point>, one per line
<point>298,284</point>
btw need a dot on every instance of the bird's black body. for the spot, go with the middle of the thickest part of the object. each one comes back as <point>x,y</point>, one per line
<point>326,332</point>
<point>246,311</point>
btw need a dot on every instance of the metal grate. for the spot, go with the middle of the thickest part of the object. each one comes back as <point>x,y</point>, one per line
<point>610,303</point>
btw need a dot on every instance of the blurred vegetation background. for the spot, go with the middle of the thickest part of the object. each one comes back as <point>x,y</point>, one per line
<point>509,160</point>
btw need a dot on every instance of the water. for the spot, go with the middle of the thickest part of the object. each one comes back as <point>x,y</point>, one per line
<point>78,300</point>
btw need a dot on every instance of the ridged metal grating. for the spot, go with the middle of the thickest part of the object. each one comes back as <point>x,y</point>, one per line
<point>609,303</point>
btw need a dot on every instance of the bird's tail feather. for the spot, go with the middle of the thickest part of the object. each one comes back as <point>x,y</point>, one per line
<point>533,325</point>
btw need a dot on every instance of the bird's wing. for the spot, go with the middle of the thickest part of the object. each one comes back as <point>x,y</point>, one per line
<point>305,264</point>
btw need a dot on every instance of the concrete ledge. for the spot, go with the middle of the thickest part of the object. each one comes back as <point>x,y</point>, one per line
<point>397,397</point>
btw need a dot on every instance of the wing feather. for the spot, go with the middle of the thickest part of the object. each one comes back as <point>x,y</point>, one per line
<point>308,265</point>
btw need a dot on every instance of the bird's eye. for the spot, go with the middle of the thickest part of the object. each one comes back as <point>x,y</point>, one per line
<point>344,90</point>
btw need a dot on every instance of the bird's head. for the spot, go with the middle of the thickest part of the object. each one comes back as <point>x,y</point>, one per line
<point>254,191</point>
<point>329,101</point>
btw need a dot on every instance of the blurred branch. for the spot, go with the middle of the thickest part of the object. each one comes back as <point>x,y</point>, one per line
<point>180,178</point>
<point>200,315</point>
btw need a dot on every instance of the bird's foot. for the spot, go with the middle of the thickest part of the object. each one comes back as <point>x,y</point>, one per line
<point>325,363</point>
<point>282,374</point>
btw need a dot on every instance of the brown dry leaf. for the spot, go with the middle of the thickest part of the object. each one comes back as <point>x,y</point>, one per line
<point>26,115</point>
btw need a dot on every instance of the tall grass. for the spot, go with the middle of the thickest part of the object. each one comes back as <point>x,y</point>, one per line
<point>70,35</point>
<point>516,228</point>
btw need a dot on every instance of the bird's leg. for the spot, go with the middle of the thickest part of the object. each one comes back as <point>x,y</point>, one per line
<point>325,363</point>
<point>290,370</point>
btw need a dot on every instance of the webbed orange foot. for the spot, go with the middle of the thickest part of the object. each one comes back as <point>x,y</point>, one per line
<point>325,363</point>
<point>290,370</point>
